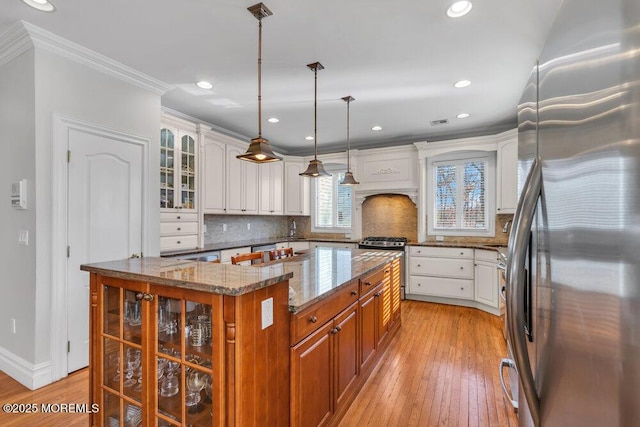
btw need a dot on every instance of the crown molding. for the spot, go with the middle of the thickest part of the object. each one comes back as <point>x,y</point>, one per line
<point>23,35</point>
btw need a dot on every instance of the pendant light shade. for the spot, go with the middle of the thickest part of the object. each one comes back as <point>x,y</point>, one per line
<point>259,150</point>
<point>348,175</point>
<point>315,168</point>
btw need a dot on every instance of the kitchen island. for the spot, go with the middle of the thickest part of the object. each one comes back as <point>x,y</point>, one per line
<point>178,342</point>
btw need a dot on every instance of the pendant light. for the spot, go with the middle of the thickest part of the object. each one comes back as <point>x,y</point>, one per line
<point>259,150</point>
<point>315,168</point>
<point>348,176</point>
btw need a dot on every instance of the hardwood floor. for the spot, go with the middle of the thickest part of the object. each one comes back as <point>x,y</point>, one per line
<point>440,369</point>
<point>73,389</point>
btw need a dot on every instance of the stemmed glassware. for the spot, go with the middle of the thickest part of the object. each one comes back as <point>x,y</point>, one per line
<point>196,381</point>
<point>132,360</point>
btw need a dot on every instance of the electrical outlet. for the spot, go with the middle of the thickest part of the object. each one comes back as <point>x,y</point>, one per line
<point>204,228</point>
<point>224,227</point>
<point>439,238</point>
<point>13,326</point>
<point>267,313</point>
<point>248,226</point>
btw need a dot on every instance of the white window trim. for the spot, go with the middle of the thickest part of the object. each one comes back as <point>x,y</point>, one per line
<point>490,193</point>
<point>340,230</point>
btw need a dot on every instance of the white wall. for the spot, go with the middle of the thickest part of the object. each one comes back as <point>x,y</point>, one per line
<point>35,87</point>
<point>17,262</point>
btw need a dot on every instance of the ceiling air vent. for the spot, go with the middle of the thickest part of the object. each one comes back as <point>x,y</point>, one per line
<point>439,122</point>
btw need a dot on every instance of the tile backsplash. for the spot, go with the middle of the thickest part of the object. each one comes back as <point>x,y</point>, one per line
<point>260,227</point>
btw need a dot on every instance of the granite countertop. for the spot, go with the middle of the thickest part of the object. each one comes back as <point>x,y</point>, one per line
<point>223,279</point>
<point>312,276</point>
<point>322,271</point>
<point>255,242</point>
<point>489,247</point>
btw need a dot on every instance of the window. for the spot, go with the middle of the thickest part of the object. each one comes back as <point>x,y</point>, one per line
<point>461,195</point>
<point>332,207</point>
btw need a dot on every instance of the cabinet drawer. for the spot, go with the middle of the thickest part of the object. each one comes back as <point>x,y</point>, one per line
<point>178,242</point>
<point>483,255</point>
<point>178,216</point>
<point>226,254</point>
<point>441,287</point>
<point>178,228</point>
<point>372,280</point>
<point>443,267</point>
<point>311,318</point>
<point>441,252</point>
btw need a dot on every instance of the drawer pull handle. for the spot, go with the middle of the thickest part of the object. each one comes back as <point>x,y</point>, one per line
<point>367,283</point>
<point>461,268</point>
<point>377,294</point>
<point>461,253</point>
<point>334,331</point>
<point>419,265</point>
<point>354,292</point>
<point>461,288</point>
<point>178,242</point>
<point>386,271</point>
<point>179,228</point>
<point>313,319</point>
<point>178,216</point>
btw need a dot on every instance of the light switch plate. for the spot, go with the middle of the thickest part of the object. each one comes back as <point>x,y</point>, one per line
<point>267,313</point>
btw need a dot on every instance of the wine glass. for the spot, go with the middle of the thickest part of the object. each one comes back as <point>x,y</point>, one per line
<point>132,360</point>
<point>196,381</point>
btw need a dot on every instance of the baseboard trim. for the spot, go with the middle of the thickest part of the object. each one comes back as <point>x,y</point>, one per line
<point>29,375</point>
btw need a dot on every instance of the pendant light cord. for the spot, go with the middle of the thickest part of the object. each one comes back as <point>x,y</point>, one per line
<point>348,139</point>
<point>259,77</point>
<point>315,114</point>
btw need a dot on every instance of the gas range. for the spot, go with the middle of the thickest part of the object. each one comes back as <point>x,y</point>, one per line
<point>385,243</point>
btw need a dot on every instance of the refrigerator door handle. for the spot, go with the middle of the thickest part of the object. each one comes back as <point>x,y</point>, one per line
<point>518,245</point>
<point>508,363</point>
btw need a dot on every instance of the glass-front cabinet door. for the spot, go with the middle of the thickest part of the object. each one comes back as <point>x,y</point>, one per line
<point>122,380</point>
<point>159,358</point>
<point>178,164</point>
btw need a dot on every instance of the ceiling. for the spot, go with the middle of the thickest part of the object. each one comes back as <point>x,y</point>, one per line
<point>399,61</point>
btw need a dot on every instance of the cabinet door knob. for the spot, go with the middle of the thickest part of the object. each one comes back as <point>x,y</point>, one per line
<point>419,284</point>
<point>179,228</point>
<point>313,319</point>
<point>462,289</point>
<point>418,265</point>
<point>461,268</point>
<point>461,253</point>
<point>367,283</point>
<point>338,328</point>
<point>354,292</point>
<point>334,331</point>
<point>178,242</point>
<point>142,296</point>
<point>377,294</point>
<point>178,216</point>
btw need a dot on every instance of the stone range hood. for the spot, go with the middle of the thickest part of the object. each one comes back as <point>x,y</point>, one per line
<point>385,171</point>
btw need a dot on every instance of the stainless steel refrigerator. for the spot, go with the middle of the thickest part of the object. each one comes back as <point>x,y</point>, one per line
<point>573,271</point>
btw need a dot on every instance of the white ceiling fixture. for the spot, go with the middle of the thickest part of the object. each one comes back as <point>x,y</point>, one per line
<point>273,120</point>
<point>42,5</point>
<point>376,128</point>
<point>462,83</point>
<point>463,115</point>
<point>204,85</point>
<point>459,8</point>
<point>308,138</point>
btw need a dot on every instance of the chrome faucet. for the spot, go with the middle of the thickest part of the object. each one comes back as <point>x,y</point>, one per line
<point>506,226</point>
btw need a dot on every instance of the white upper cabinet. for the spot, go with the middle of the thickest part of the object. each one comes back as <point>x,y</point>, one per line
<point>214,176</point>
<point>271,188</point>
<point>296,188</point>
<point>178,168</point>
<point>242,184</point>
<point>507,176</point>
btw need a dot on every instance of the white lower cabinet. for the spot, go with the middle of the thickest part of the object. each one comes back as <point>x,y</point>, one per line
<point>226,254</point>
<point>461,276</point>
<point>178,231</point>
<point>486,278</point>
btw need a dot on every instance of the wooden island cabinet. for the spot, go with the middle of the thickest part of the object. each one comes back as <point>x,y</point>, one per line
<point>188,343</point>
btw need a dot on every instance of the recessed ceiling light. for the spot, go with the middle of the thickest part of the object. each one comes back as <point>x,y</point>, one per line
<point>308,138</point>
<point>42,5</point>
<point>376,128</point>
<point>273,120</point>
<point>462,83</point>
<point>459,8</point>
<point>204,85</point>
<point>463,115</point>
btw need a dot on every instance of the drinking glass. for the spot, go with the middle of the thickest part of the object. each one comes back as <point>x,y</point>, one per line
<point>132,361</point>
<point>196,381</point>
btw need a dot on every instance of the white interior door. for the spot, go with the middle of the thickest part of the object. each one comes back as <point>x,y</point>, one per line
<point>104,220</point>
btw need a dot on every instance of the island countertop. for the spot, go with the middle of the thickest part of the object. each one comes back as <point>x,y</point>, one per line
<point>312,276</point>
